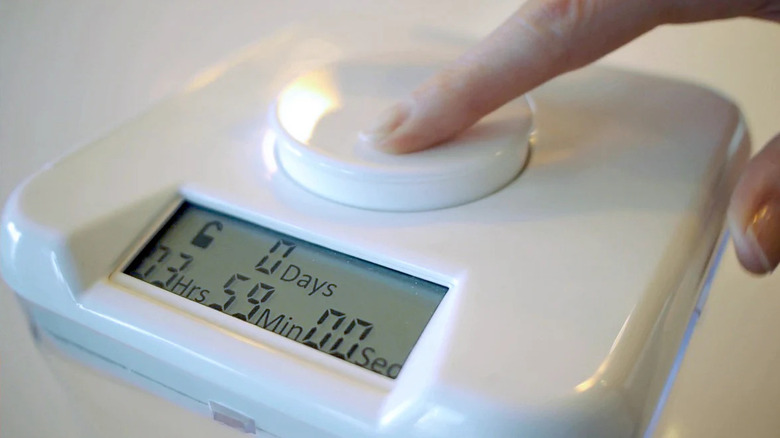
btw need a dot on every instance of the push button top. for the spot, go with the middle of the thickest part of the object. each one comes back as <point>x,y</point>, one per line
<point>318,117</point>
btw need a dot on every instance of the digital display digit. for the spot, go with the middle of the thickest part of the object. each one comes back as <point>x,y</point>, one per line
<point>352,309</point>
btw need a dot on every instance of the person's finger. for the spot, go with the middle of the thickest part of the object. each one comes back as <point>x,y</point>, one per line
<point>543,39</point>
<point>754,214</point>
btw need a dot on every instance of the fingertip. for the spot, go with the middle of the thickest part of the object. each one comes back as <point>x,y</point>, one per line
<point>402,129</point>
<point>754,214</point>
<point>405,141</point>
<point>386,123</point>
<point>749,251</point>
<point>418,124</point>
<point>388,146</point>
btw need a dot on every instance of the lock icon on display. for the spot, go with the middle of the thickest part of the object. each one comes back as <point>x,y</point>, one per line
<point>203,240</point>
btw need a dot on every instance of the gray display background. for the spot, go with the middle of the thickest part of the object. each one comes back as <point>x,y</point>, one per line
<point>355,310</point>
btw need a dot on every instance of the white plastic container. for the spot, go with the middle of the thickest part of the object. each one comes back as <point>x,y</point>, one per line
<point>570,281</point>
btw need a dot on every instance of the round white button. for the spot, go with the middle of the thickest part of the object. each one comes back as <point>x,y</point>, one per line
<point>318,118</point>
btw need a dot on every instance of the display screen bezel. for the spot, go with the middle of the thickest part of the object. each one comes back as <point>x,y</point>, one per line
<point>247,330</point>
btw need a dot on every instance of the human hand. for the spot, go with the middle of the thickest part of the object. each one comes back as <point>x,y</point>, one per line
<point>546,38</point>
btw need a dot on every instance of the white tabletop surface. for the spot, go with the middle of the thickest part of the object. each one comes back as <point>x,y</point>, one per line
<point>69,71</point>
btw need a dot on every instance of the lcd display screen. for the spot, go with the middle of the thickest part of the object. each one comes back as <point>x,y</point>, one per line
<point>357,311</point>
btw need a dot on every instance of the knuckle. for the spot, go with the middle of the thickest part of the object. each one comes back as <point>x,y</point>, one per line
<point>555,22</point>
<point>559,16</point>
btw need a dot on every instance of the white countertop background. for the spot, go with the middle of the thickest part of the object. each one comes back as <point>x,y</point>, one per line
<point>69,71</point>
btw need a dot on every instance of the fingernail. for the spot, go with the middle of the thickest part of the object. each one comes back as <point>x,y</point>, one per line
<point>386,123</point>
<point>763,234</point>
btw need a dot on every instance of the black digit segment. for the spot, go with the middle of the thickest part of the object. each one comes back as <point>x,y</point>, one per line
<point>274,264</point>
<point>186,259</point>
<point>145,270</point>
<point>230,294</point>
<point>319,345</point>
<point>348,308</point>
<point>338,350</point>
<point>259,294</point>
